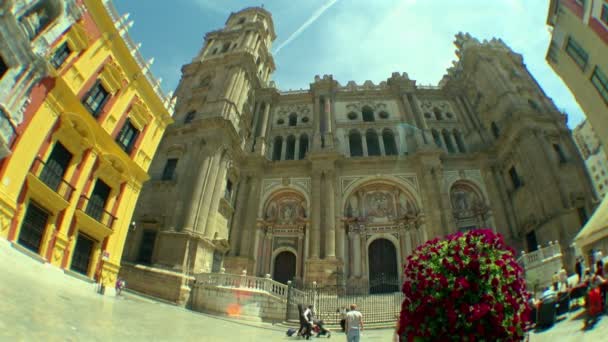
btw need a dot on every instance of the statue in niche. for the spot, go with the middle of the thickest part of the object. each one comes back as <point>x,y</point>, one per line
<point>271,212</point>
<point>302,210</point>
<point>287,214</point>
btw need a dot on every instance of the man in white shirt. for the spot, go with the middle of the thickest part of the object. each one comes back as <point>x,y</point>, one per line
<point>354,324</point>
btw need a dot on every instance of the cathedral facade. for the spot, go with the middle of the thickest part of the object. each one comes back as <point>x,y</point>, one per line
<point>338,184</point>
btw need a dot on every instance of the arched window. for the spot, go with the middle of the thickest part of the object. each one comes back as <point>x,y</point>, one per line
<point>277,147</point>
<point>225,47</point>
<point>437,114</point>
<point>495,130</point>
<point>373,145</point>
<point>448,141</point>
<point>189,117</point>
<point>293,119</point>
<point>459,141</point>
<point>303,146</point>
<point>437,138</point>
<point>355,144</point>
<point>368,114</point>
<point>390,147</point>
<point>290,153</point>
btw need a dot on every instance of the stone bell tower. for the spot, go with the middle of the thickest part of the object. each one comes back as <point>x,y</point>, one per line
<point>191,214</point>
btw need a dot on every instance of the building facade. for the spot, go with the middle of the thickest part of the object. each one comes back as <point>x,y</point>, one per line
<point>594,155</point>
<point>577,53</point>
<point>27,29</point>
<point>82,151</point>
<point>338,184</point>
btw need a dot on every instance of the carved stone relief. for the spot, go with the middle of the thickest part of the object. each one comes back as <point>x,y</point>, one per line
<point>466,201</point>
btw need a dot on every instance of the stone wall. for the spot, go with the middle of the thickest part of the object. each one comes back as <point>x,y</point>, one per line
<point>247,304</point>
<point>167,285</point>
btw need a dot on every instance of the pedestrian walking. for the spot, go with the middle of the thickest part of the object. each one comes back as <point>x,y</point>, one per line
<point>578,267</point>
<point>120,285</point>
<point>354,324</point>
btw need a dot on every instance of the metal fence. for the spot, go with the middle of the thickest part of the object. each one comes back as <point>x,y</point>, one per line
<point>378,303</point>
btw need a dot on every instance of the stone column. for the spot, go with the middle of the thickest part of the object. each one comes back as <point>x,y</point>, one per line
<point>420,121</point>
<point>381,143</point>
<point>299,257</point>
<point>260,145</point>
<point>249,224</point>
<point>306,250</point>
<point>357,254</point>
<point>218,193</point>
<point>364,141</point>
<point>407,108</point>
<point>265,263</point>
<point>201,174</point>
<point>284,148</point>
<point>316,215</point>
<point>241,207</point>
<point>340,237</point>
<point>256,118</point>
<point>408,242</point>
<point>327,111</point>
<point>234,80</point>
<point>330,216</point>
<point>316,137</point>
<point>296,152</point>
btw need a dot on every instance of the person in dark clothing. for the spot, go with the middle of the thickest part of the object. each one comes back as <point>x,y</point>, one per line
<point>305,329</point>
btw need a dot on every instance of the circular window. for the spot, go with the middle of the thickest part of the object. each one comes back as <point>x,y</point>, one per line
<point>383,115</point>
<point>352,116</point>
<point>305,119</point>
<point>280,122</point>
<point>427,115</point>
<point>449,115</point>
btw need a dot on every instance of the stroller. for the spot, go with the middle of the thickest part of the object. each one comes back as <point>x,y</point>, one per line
<point>318,329</point>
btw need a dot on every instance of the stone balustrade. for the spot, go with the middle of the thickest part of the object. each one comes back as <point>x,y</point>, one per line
<point>541,265</point>
<point>540,256</point>
<point>242,281</point>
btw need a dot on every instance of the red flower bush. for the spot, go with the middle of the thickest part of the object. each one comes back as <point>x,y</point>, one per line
<point>466,287</point>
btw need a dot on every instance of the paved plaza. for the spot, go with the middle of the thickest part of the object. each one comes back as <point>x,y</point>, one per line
<point>40,303</point>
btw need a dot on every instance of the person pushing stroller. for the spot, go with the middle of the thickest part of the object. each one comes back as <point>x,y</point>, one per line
<point>317,324</point>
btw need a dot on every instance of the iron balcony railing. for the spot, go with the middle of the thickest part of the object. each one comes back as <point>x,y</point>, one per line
<point>96,211</point>
<point>52,178</point>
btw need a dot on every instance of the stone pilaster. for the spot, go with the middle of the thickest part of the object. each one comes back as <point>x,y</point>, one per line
<point>316,215</point>
<point>330,216</point>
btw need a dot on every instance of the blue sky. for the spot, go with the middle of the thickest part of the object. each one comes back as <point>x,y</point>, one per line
<point>353,39</point>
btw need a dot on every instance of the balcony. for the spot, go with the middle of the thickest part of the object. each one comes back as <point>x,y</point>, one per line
<point>94,219</point>
<point>47,187</point>
<point>53,179</point>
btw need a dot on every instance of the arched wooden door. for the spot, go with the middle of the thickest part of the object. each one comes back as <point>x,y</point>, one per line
<point>383,275</point>
<point>284,267</point>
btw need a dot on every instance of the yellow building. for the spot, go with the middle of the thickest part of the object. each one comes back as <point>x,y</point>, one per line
<point>578,53</point>
<point>81,155</point>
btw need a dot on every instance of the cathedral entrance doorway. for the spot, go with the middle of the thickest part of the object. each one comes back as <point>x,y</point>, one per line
<point>383,277</point>
<point>284,267</point>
